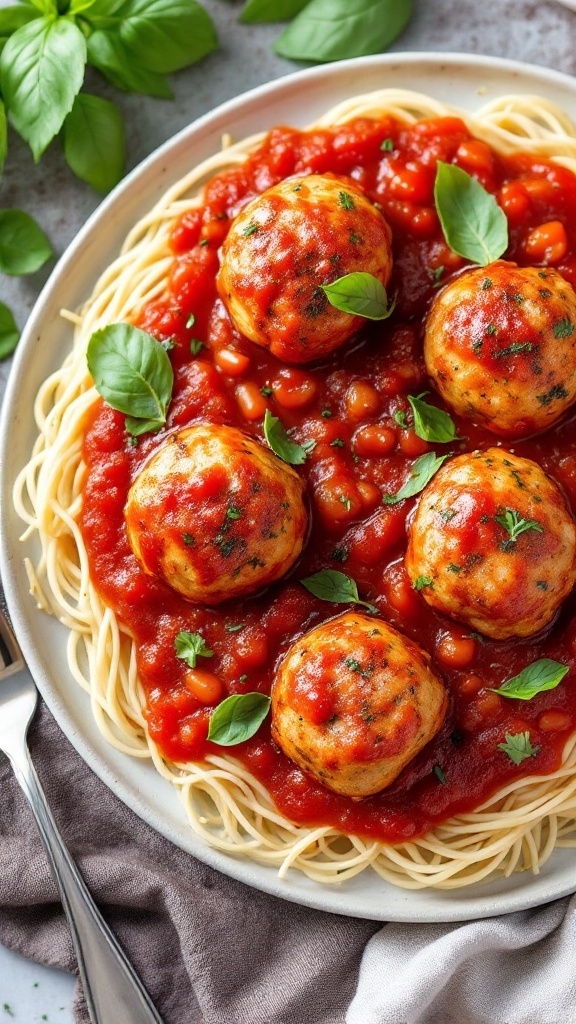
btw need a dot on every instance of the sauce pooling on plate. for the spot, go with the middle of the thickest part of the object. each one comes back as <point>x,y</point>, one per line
<point>351,413</point>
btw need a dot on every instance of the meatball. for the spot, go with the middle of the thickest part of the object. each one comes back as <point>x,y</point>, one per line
<point>295,237</point>
<point>493,544</point>
<point>353,702</point>
<point>214,514</point>
<point>501,347</point>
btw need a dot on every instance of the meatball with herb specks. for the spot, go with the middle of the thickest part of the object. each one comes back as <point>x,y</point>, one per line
<point>353,702</point>
<point>297,236</point>
<point>500,346</point>
<point>215,515</point>
<point>493,544</point>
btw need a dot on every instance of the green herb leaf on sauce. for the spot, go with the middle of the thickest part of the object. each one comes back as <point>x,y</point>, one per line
<point>518,747</point>
<point>543,674</point>
<point>439,774</point>
<point>191,646</point>
<point>237,718</point>
<point>133,374</point>
<point>333,585</point>
<point>286,449</point>
<point>360,294</point>
<point>473,224</point>
<point>421,473</point>
<point>430,423</point>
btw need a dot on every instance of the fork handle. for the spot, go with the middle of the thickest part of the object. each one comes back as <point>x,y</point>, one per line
<point>112,988</point>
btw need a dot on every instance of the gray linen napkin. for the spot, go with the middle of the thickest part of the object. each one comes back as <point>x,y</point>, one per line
<point>212,951</point>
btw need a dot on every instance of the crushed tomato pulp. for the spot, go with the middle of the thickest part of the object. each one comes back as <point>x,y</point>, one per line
<point>346,405</point>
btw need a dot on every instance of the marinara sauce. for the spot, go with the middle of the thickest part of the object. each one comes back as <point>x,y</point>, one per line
<point>347,405</point>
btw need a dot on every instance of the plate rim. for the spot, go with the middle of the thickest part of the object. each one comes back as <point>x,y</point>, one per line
<point>22,610</point>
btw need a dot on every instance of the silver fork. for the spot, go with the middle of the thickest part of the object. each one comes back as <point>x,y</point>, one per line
<point>114,993</point>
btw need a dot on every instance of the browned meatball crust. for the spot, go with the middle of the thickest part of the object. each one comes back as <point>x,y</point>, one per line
<point>297,236</point>
<point>353,702</point>
<point>214,514</point>
<point>494,540</point>
<point>500,346</point>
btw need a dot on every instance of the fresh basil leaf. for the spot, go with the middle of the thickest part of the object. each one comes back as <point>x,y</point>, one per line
<point>24,247</point>
<point>333,585</point>
<point>45,6</point>
<point>473,224</point>
<point>93,141</point>
<point>518,747</point>
<point>9,333</point>
<point>13,18</point>
<point>544,674</point>
<point>360,294</point>
<point>3,136</point>
<point>96,10</point>
<point>335,29</point>
<point>166,35</point>
<point>258,11</point>
<point>430,423</point>
<point>132,372</point>
<point>421,473</point>
<point>191,646</point>
<point>237,718</point>
<point>107,53</point>
<point>280,443</point>
<point>41,71</point>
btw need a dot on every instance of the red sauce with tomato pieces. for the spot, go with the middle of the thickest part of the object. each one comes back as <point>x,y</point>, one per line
<point>347,405</point>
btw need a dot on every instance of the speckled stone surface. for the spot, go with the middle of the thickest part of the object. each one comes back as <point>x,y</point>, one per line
<point>537,31</point>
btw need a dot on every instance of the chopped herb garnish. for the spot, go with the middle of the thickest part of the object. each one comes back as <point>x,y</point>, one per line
<point>491,329</point>
<point>542,585</point>
<point>235,628</point>
<point>486,284</point>
<point>453,568</point>
<point>353,665</point>
<point>439,774</point>
<point>346,502</point>
<point>558,391</point>
<point>340,554</point>
<point>422,581</point>
<point>564,328</point>
<point>250,230</point>
<point>233,512</point>
<point>436,276</point>
<point>337,443</point>
<point>168,344</point>
<point>195,346</point>
<point>265,391</point>
<point>205,241</point>
<point>188,539</point>
<point>190,646</point>
<point>448,514</point>
<point>326,414</point>
<point>400,418</point>
<point>514,525</point>
<point>518,747</point>
<point>244,677</point>
<point>514,349</point>
<point>191,321</point>
<point>387,145</point>
<point>346,201</point>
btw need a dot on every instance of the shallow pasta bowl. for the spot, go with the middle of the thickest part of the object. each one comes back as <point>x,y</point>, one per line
<point>297,100</point>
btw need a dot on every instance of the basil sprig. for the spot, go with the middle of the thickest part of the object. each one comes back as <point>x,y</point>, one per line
<point>421,473</point>
<point>541,675</point>
<point>133,43</point>
<point>430,423</point>
<point>360,294</point>
<point>281,444</point>
<point>335,29</point>
<point>518,747</point>
<point>133,373</point>
<point>473,224</point>
<point>191,646</point>
<point>237,718</point>
<point>335,586</point>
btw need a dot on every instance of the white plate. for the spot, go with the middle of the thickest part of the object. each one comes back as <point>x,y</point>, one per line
<point>467,80</point>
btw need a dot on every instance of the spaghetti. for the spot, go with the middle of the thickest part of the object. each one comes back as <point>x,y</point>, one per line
<point>228,807</point>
